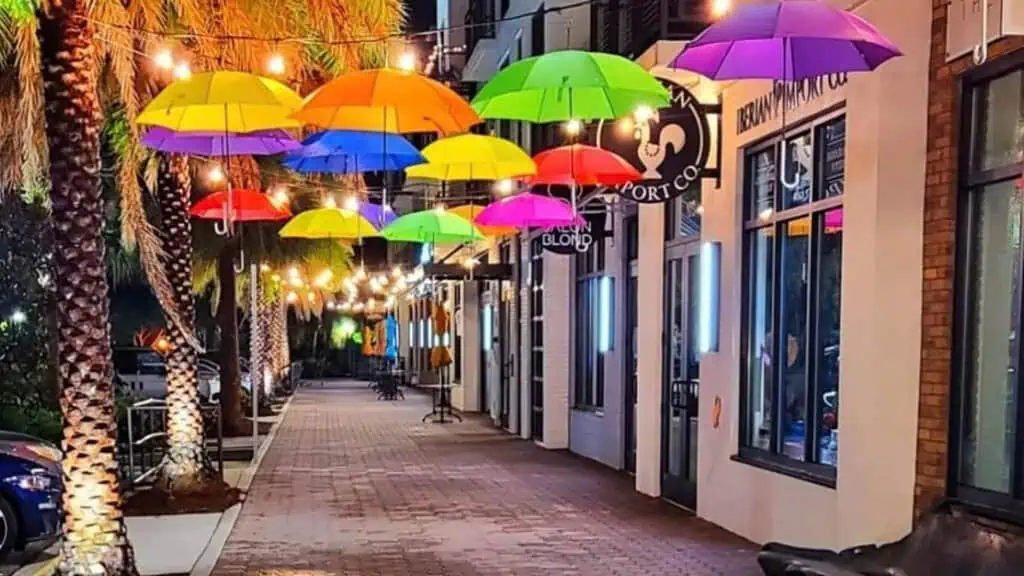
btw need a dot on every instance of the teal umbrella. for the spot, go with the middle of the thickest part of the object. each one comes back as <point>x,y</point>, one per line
<point>569,85</point>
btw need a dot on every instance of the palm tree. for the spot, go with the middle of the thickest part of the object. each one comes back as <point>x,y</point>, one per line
<point>95,539</point>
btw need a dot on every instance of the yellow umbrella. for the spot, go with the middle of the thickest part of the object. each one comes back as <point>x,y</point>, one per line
<point>224,101</point>
<point>473,157</point>
<point>470,212</point>
<point>328,223</point>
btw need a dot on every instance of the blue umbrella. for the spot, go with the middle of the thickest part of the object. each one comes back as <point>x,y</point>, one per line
<point>352,151</point>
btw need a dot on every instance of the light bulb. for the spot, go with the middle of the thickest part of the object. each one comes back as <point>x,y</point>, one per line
<point>351,204</point>
<point>279,196</point>
<point>720,7</point>
<point>330,305</point>
<point>292,297</point>
<point>182,71</point>
<point>215,175</point>
<point>407,61</point>
<point>323,278</point>
<point>505,186</point>
<point>293,272</point>
<point>470,263</point>
<point>276,65</point>
<point>439,208</point>
<point>264,268</point>
<point>17,317</point>
<point>164,59</point>
<point>643,113</point>
<point>329,202</point>
<point>765,214</point>
<point>625,126</point>
<point>276,277</point>
<point>361,273</point>
<point>573,127</point>
<point>397,272</point>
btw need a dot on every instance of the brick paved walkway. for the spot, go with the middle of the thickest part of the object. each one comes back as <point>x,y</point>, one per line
<point>354,486</point>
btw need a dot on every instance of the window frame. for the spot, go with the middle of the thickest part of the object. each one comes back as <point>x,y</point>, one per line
<point>589,373</point>
<point>970,182</point>
<point>809,469</point>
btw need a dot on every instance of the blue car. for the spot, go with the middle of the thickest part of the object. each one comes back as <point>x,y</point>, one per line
<point>30,491</point>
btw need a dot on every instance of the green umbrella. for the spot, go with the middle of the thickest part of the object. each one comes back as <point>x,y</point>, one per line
<point>436,226</point>
<point>569,85</point>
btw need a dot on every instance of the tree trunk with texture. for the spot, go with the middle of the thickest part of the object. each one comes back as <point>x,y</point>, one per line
<point>257,342</point>
<point>277,329</point>
<point>230,370</point>
<point>186,469</point>
<point>95,539</point>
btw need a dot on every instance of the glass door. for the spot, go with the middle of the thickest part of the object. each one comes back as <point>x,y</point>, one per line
<point>681,371</point>
<point>536,340</point>
<point>632,333</point>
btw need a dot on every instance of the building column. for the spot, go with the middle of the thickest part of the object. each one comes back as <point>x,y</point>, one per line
<point>466,396</point>
<point>557,350</point>
<point>650,298</point>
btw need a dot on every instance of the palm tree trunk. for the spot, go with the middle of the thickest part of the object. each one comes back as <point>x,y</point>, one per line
<point>258,340</point>
<point>186,469</point>
<point>276,328</point>
<point>95,540</point>
<point>230,371</point>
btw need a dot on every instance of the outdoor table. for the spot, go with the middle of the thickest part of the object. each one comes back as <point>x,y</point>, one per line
<point>441,403</point>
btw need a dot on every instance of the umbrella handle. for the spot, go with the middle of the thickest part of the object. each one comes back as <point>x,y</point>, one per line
<point>981,50</point>
<point>240,267</point>
<point>782,169</point>
<point>220,227</point>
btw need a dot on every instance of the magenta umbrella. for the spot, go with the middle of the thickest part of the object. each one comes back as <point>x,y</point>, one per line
<point>789,40</point>
<point>263,143</point>
<point>527,210</point>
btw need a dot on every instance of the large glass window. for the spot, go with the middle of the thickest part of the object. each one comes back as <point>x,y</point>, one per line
<point>792,296</point>
<point>988,459</point>
<point>592,331</point>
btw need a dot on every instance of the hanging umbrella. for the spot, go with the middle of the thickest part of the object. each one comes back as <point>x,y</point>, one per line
<point>386,100</point>
<point>378,215</point>
<point>567,85</point>
<point>790,40</point>
<point>432,226</point>
<point>471,211</point>
<point>328,223</point>
<point>583,165</point>
<point>224,101</point>
<point>245,206</point>
<point>473,157</point>
<point>353,151</point>
<point>262,143</point>
<point>526,210</point>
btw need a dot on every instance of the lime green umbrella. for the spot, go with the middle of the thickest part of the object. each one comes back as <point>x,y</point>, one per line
<point>569,85</point>
<point>437,226</point>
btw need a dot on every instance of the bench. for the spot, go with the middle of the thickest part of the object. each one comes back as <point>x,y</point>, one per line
<point>947,541</point>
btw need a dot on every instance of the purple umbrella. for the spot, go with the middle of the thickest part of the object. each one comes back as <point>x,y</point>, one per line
<point>378,215</point>
<point>790,40</point>
<point>264,143</point>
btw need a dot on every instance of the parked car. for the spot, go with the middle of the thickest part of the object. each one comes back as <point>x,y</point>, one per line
<point>142,374</point>
<point>30,491</point>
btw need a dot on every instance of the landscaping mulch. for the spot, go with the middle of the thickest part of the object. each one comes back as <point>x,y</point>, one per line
<point>156,502</point>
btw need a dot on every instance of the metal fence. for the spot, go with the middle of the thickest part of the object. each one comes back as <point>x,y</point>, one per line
<point>144,440</point>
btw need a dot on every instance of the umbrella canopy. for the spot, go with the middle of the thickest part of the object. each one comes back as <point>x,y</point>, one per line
<point>432,226</point>
<point>353,151</point>
<point>246,206</point>
<point>377,215</point>
<point>473,157</point>
<point>569,84</point>
<point>471,211</point>
<point>328,223</point>
<point>583,165</point>
<point>526,210</point>
<point>790,40</point>
<point>261,143</point>
<point>223,101</point>
<point>386,100</point>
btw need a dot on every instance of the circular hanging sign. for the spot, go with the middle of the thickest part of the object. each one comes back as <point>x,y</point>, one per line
<point>573,239</point>
<point>670,148</point>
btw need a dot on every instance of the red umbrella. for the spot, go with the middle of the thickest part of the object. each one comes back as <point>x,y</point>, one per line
<point>246,205</point>
<point>584,166</point>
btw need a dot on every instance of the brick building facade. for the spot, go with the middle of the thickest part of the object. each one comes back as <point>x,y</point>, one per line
<point>940,242</point>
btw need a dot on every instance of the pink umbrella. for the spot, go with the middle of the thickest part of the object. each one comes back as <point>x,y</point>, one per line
<point>527,210</point>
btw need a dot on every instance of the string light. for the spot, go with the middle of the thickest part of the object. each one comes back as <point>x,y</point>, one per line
<point>293,272</point>
<point>643,113</point>
<point>390,302</point>
<point>351,204</point>
<point>323,278</point>
<point>264,268</point>
<point>215,175</point>
<point>18,317</point>
<point>573,127</point>
<point>330,305</point>
<point>361,273</point>
<point>397,272</point>
<point>470,263</point>
<point>329,202</point>
<point>439,208</point>
<point>407,61</point>
<point>720,7</point>
<point>505,186</point>
<point>279,196</point>
<point>292,297</point>
<point>182,71</point>
<point>276,65</point>
<point>164,59</point>
<point>625,126</point>
<point>296,282</point>
<point>276,277</point>
<point>311,297</point>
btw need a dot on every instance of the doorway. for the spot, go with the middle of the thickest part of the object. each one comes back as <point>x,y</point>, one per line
<point>631,363</point>
<point>681,375</point>
<point>536,289</point>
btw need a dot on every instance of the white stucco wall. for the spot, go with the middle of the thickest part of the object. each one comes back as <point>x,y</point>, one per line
<point>880,317</point>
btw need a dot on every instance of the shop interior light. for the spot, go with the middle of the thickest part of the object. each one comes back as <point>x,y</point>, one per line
<point>710,285</point>
<point>423,331</point>
<point>446,341</point>
<point>488,327</point>
<point>604,335</point>
<point>412,334</point>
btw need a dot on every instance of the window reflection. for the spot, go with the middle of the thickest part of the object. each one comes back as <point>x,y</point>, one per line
<point>759,317</point>
<point>830,253</point>
<point>1000,123</point>
<point>799,156</point>
<point>793,331</point>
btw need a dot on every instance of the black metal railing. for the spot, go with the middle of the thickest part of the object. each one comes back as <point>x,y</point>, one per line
<point>629,27</point>
<point>479,23</point>
<point>143,442</point>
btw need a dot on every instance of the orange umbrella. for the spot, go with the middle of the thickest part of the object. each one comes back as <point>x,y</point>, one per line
<point>387,100</point>
<point>470,212</point>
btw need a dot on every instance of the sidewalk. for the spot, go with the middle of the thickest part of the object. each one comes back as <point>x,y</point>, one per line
<point>352,485</point>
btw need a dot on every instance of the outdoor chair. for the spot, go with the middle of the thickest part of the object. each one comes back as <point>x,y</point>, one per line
<point>945,542</point>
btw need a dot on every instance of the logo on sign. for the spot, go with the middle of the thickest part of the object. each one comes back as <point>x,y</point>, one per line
<point>573,239</point>
<point>670,148</point>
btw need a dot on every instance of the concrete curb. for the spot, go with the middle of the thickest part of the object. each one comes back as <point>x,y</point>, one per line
<point>208,559</point>
<point>43,568</point>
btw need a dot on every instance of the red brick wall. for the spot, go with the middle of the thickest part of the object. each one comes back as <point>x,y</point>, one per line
<point>939,255</point>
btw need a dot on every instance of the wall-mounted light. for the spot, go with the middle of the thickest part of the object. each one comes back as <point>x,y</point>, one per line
<point>412,334</point>
<point>488,327</point>
<point>426,252</point>
<point>710,286</point>
<point>604,333</point>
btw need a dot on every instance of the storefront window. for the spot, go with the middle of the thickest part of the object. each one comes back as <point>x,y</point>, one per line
<point>592,303</point>
<point>792,296</point>
<point>987,415</point>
